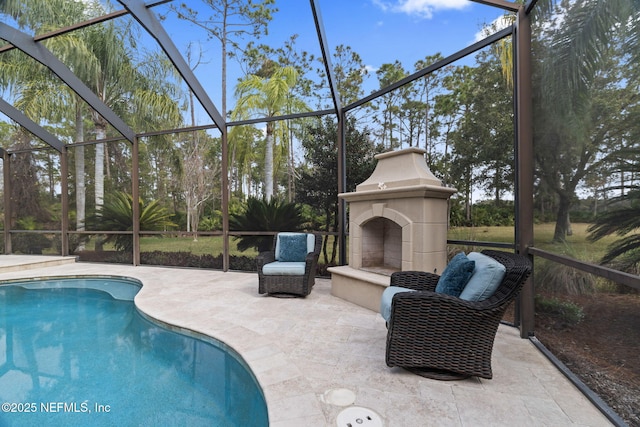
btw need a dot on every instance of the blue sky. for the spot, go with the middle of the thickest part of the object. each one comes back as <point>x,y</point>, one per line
<point>380,31</point>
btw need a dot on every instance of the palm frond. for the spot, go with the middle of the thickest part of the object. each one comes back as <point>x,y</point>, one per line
<point>117,215</point>
<point>263,215</point>
<point>622,219</point>
<point>622,247</point>
<point>578,44</point>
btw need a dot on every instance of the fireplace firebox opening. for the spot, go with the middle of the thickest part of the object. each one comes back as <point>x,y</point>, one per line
<point>381,246</point>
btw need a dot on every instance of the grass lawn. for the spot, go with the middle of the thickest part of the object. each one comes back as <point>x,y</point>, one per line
<point>577,246</point>
<point>211,245</point>
<point>205,245</point>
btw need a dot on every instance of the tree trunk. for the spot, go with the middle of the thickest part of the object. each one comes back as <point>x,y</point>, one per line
<point>334,249</point>
<point>268,164</point>
<point>99,176</point>
<point>468,199</point>
<point>292,167</point>
<point>563,223</point>
<point>99,169</point>
<point>80,183</point>
<point>327,226</point>
<point>188,212</point>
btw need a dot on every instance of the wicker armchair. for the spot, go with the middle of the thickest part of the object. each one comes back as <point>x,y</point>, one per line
<point>443,337</point>
<point>278,278</point>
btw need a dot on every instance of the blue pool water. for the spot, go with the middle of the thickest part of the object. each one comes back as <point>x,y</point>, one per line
<point>73,354</point>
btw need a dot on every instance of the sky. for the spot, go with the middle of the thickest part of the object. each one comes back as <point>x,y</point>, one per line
<point>380,31</point>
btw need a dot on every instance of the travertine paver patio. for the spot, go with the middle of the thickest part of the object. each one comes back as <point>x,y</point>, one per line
<point>316,356</point>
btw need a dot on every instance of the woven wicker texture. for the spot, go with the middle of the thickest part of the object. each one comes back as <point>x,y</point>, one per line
<point>287,284</point>
<point>433,331</point>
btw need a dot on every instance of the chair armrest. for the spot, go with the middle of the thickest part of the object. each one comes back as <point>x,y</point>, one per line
<point>416,280</point>
<point>310,257</point>
<point>311,262</point>
<point>264,258</point>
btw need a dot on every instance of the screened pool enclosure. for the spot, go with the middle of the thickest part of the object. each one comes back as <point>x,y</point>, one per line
<point>532,117</point>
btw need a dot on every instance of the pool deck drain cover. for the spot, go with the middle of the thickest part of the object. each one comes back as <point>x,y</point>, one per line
<point>356,416</point>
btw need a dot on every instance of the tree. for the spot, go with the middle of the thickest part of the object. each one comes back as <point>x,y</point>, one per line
<point>197,179</point>
<point>623,219</point>
<point>245,154</point>
<point>578,34</point>
<point>268,97</point>
<point>117,215</point>
<point>26,200</point>
<point>426,89</point>
<point>318,187</point>
<point>197,176</point>
<point>142,93</point>
<point>457,165</point>
<point>265,215</point>
<point>572,146</point>
<point>102,56</point>
<point>491,121</point>
<point>390,102</point>
<point>262,60</point>
<point>228,21</point>
<point>349,72</point>
<point>39,94</point>
<point>575,91</point>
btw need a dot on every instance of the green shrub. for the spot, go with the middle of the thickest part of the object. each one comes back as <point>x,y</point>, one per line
<point>29,243</point>
<point>263,215</point>
<point>187,259</point>
<point>559,278</point>
<point>211,223</point>
<point>483,214</point>
<point>491,214</point>
<point>117,215</point>
<point>565,310</point>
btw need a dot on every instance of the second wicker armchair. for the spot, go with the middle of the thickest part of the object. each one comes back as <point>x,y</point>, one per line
<point>445,337</point>
<point>290,268</point>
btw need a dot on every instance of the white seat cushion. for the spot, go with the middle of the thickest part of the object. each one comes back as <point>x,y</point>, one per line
<point>283,269</point>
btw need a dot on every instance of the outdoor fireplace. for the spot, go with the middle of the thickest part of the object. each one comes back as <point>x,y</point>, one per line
<point>397,222</point>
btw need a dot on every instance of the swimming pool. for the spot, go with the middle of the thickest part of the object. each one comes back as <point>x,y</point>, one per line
<point>77,352</point>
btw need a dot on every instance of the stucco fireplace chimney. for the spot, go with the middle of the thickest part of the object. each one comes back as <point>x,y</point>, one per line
<point>397,222</point>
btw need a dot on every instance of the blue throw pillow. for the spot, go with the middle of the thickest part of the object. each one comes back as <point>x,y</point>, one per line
<point>456,275</point>
<point>292,247</point>
<point>486,278</point>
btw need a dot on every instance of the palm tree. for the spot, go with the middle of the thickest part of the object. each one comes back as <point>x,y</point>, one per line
<point>103,59</point>
<point>265,215</point>
<point>622,220</point>
<point>242,146</point>
<point>580,46</point>
<point>227,21</point>
<point>117,215</point>
<point>268,97</point>
<point>37,93</point>
<point>573,47</point>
